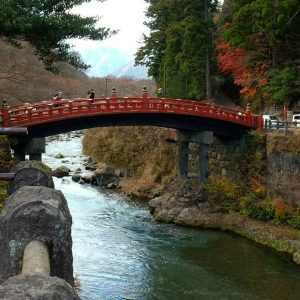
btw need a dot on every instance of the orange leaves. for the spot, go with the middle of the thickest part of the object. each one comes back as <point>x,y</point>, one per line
<point>236,62</point>
<point>232,61</point>
<point>279,206</point>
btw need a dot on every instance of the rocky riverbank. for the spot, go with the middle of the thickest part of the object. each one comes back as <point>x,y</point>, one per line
<point>183,203</point>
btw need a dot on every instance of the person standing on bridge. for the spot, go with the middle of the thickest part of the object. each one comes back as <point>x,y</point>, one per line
<point>58,96</point>
<point>92,94</point>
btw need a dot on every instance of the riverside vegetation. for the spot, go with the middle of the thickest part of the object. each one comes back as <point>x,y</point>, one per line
<point>247,207</point>
<point>148,161</point>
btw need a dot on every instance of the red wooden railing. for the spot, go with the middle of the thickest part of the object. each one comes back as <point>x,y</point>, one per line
<point>30,114</point>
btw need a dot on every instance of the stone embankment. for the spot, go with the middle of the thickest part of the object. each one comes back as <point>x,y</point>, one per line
<point>183,204</point>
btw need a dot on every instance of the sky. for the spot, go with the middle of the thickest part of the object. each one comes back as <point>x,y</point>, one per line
<point>127,16</point>
<point>108,56</point>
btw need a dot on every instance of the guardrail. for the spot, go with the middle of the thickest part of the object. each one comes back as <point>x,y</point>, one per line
<point>7,176</point>
<point>13,131</point>
<point>280,125</point>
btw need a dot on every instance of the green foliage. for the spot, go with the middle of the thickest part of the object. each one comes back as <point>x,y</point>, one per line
<point>252,162</point>
<point>176,47</point>
<point>46,25</point>
<point>268,32</point>
<point>3,193</point>
<point>283,87</point>
<point>221,190</point>
<point>254,208</point>
<point>6,160</point>
<point>294,220</point>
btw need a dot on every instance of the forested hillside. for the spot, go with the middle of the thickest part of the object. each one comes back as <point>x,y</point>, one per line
<point>247,49</point>
<point>23,78</point>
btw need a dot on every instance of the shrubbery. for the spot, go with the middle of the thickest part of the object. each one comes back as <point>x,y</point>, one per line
<point>253,203</point>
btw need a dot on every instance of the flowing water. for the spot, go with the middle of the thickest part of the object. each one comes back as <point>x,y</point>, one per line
<point>121,253</point>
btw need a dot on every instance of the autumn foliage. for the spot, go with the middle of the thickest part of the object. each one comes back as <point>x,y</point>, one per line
<point>236,61</point>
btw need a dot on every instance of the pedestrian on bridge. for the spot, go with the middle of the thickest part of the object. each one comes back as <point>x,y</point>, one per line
<point>58,96</point>
<point>92,94</point>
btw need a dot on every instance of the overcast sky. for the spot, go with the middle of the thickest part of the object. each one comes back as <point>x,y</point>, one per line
<point>126,15</point>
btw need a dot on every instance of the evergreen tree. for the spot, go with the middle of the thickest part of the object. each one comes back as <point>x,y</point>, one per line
<point>176,48</point>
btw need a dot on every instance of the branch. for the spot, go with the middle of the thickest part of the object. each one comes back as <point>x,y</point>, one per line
<point>294,15</point>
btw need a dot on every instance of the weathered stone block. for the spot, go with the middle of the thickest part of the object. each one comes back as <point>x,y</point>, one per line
<point>30,177</point>
<point>36,288</point>
<point>36,213</point>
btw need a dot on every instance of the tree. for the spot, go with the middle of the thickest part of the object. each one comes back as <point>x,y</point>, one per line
<point>46,25</point>
<point>265,35</point>
<point>178,46</point>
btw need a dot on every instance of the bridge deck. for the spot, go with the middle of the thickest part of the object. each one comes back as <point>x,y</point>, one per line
<point>43,112</point>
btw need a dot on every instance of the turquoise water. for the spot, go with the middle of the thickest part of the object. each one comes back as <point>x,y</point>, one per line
<point>121,253</point>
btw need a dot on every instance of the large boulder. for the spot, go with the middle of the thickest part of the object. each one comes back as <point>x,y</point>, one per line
<point>36,288</point>
<point>32,164</point>
<point>36,213</point>
<point>30,177</point>
<point>106,178</point>
<point>61,172</point>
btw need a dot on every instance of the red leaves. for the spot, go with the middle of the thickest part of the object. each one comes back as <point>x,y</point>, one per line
<point>233,61</point>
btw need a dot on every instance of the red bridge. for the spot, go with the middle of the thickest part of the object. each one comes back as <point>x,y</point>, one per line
<point>52,117</point>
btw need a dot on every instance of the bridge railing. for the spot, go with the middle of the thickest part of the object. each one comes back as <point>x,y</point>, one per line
<point>45,111</point>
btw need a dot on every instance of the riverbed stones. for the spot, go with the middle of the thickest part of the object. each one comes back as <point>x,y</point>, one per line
<point>61,171</point>
<point>106,178</point>
<point>36,213</point>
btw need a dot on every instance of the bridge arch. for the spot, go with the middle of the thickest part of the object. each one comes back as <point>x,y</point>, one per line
<point>50,117</point>
<point>196,121</point>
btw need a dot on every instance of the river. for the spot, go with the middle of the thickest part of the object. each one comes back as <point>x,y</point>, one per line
<point>120,252</point>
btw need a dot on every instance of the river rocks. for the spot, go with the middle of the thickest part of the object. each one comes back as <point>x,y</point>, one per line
<point>36,288</point>
<point>178,196</point>
<point>59,156</point>
<point>61,172</point>
<point>76,177</point>
<point>106,178</point>
<point>91,166</point>
<point>36,213</point>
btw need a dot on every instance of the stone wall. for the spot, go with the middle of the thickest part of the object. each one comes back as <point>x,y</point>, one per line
<point>224,155</point>
<point>284,176</point>
<point>280,171</point>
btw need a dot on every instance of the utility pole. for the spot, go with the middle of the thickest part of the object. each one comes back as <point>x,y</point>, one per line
<point>207,63</point>
<point>165,85</point>
<point>106,80</point>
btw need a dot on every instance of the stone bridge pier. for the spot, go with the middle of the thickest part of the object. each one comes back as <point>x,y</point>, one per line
<point>33,147</point>
<point>203,139</point>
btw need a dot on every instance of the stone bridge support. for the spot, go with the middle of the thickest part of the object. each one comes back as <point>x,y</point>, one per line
<point>33,147</point>
<point>203,139</point>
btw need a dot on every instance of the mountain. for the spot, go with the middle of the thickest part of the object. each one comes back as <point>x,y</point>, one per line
<point>111,61</point>
<point>129,70</point>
